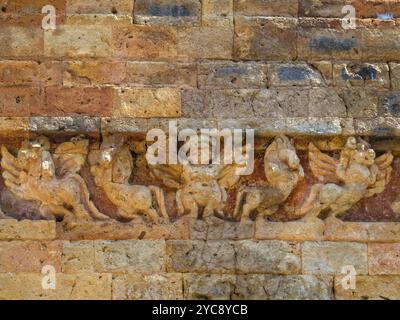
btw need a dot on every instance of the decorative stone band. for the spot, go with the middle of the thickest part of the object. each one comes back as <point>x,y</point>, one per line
<point>111,181</point>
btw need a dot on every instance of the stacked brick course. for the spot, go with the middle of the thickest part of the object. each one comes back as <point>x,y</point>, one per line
<point>283,66</point>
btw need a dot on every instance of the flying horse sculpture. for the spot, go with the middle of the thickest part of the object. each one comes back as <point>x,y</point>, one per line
<point>54,183</point>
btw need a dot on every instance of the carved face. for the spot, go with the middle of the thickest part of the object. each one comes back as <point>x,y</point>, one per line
<point>364,155</point>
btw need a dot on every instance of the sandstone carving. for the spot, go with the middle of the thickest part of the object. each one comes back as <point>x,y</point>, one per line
<point>282,170</point>
<point>54,183</point>
<point>112,167</point>
<point>357,174</point>
<point>201,189</point>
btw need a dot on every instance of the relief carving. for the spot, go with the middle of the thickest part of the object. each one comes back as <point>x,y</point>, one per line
<point>356,175</point>
<point>282,171</point>
<point>111,167</point>
<point>52,177</point>
<point>54,183</point>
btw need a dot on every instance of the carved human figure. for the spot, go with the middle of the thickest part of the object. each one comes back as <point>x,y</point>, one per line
<point>282,170</point>
<point>356,175</point>
<point>32,176</point>
<point>201,188</point>
<point>112,167</point>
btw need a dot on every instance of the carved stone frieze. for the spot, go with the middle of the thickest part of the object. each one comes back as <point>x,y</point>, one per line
<point>54,178</point>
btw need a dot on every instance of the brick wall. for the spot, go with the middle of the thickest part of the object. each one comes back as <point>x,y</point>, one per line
<point>283,66</point>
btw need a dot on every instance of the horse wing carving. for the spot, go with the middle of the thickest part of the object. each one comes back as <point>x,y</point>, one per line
<point>323,166</point>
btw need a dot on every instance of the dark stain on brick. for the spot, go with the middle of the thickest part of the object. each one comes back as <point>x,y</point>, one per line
<point>383,131</point>
<point>363,73</point>
<point>332,44</point>
<point>293,73</point>
<point>229,70</point>
<point>391,103</point>
<point>169,10</point>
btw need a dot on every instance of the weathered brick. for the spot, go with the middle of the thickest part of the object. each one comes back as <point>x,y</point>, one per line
<point>231,75</point>
<point>205,42</point>
<point>365,74</point>
<point>217,13</point>
<point>289,231</point>
<point>331,257</point>
<point>167,12</point>
<point>65,125</point>
<point>113,230</point>
<point>160,74</point>
<point>29,256</point>
<point>380,126</point>
<point>369,288</point>
<point>77,257</point>
<point>17,41</point>
<point>292,287</point>
<point>98,20</point>
<point>78,41</point>
<point>273,257</point>
<point>373,8</point>
<point>360,103</point>
<point>217,229</point>
<point>383,258</point>
<point>294,74</point>
<point>130,256</point>
<point>325,102</point>
<point>200,256</point>
<point>115,7</point>
<point>208,286</point>
<point>320,126</point>
<point>135,286</point>
<point>145,42</point>
<point>323,8</point>
<point>19,101</point>
<point>11,229</point>
<point>380,43</point>
<point>28,286</point>
<point>14,73</point>
<point>389,104</point>
<point>395,75</point>
<point>285,8</point>
<point>83,101</point>
<point>327,41</point>
<point>265,38</point>
<point>14,128</point>
<point>147,103</point>
<point>88,73</point>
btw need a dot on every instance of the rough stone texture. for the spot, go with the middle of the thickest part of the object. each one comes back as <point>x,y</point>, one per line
<point>27,286</point>
<point>61,101</point>
<point>322,100</point>
<point>395,75</point>
<point>200,256</point>
<point>383,258</point>
<point>285,8</point>
<point>267,287</point>
<point>77,257</point>
<point>217,13</point>
<point>370,288</point>
<point>205,43</point>
<point>29,256</point>
<point>135,286</point>
<point>359,74</point>
<point>265,39</point>
<point>99,7</point>
<point>25,41</point>
<point>232,75</point>
<point>272,257</point>
<point>145,42</point>
<point>167,12</point>
<point>20,101</point>
<point>294,74</point>
<point>217,229</point>
<point>208,286</point>
<point>78,41</point>
<point>147,103</point>
<point>331,257</point>
<point>130,255</point>
<point>27,230</point>
<point>290,231</point>
<point>110,230</point>
<point>160,74</point>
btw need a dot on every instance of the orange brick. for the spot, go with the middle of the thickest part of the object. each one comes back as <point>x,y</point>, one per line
<point>19,101</point>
